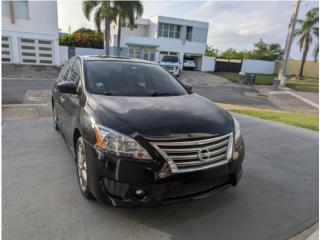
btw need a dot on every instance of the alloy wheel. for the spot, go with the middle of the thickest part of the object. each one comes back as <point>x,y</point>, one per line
<point>82,167</point>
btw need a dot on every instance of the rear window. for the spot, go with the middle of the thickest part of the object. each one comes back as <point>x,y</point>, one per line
<point>173,59</point>
<point>117,78</point>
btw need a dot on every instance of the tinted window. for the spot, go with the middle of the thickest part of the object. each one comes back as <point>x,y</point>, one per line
<point>74,73</point>
<point>64,72</point>
<point>173,59</point>
<point>130,79</point>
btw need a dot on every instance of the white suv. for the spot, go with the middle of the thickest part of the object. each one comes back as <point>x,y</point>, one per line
<point>172,64</point>
<point>189,63</point>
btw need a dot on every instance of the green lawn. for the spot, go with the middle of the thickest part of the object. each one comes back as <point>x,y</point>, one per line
<point>305,84</point>
<point>261,79</point>
<point>307,121</point>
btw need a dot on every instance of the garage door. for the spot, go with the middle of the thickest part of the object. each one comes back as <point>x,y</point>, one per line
<point>6,49</point>
<point>34,51</point>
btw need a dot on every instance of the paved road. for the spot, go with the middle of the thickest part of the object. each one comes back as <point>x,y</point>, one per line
<point>208,85</point>
<point>221,90</point>
<point>277,197</point>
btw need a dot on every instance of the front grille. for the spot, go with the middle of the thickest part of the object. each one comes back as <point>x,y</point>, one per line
<point>187,156</point>
<point>115,189</point>
<point>169,67</point>
<point>190,189</point>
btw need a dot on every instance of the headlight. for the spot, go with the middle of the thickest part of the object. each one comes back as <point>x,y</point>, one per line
<point>236,130</point>
<point>118,144</point>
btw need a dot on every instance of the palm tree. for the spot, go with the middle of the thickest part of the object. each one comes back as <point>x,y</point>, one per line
<point>128,12</point>
<point>316,48</point>
<point>305,32</point>
<point>103,13</point>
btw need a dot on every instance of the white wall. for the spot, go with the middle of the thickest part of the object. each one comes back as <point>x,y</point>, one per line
<point>167,44</point>
<point>258,66</point>
<point>42,24</point>
<point>208,63</point>
<point>89,51</point>
<point>63,54</point>
<point>43,19</point>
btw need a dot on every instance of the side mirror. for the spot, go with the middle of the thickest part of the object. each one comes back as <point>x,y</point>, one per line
<point>188,87</point>
<point>67,87</point>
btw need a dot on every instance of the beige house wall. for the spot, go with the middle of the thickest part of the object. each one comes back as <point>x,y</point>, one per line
<point>311,68</point>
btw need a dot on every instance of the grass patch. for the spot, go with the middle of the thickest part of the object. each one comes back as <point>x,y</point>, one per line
<point>307,121</point>
<point>261,79</point>
<point>305,84</point>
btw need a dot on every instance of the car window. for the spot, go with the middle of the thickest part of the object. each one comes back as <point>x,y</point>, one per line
<point>74,72</point>
<point>119,78</point>
<point>65,71</point>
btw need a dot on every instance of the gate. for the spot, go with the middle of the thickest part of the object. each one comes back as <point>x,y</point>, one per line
<point>228,65</point>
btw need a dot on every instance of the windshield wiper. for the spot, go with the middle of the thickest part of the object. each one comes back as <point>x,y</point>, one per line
<point>157,94</point>
<point>107,93</point>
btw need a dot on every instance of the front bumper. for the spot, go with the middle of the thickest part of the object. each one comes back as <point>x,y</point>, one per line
<point>116,181</point>
<point>175,72</point>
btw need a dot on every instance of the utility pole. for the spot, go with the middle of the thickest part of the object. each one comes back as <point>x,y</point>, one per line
<point>283,66</point>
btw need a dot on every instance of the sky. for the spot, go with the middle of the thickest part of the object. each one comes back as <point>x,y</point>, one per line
<point>236,24</point>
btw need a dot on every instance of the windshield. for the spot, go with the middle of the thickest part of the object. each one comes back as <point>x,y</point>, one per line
<point>173,59</point>
<point>118,78</point>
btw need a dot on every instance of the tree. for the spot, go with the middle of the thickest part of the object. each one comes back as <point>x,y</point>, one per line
<point>261,51</point>
<point>316,48</point>
<point>211,52</point>
<point>82,37</point>
<point>127,12</point>
<point>268,52</point>
<point>306,29</point>
<point>84,30</point>
<point>103,13</point>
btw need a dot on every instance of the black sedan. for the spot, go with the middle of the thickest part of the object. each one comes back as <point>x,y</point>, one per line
<point>140,137</point>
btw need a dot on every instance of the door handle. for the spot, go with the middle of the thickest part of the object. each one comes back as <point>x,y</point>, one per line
<point>62,98</point>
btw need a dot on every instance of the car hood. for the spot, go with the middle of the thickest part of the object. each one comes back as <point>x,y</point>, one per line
<point>186,115</point>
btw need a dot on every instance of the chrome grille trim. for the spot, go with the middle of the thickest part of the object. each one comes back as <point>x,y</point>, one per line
<point>174,150</point>
<point>188,143</point>
<point>195,156</point>
<point>186,156</point>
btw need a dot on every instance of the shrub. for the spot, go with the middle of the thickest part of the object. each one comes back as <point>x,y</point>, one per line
<point>85,39</point>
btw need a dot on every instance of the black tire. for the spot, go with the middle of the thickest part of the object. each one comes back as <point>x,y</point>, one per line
<point>55,118</point>
<point>83,183</point>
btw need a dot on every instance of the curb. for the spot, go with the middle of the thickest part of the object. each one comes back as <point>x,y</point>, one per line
<point>28,79</point>
<point>26,105</point>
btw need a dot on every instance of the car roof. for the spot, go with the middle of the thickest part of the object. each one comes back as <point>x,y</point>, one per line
<point>113,58</point>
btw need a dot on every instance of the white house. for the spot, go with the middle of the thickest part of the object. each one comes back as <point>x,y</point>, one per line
<point>152,38</point>
<point>30,32</point>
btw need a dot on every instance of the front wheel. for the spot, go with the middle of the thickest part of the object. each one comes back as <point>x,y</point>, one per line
<point>82,169</point>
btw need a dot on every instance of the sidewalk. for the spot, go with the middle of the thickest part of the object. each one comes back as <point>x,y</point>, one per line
<point>291,100</point>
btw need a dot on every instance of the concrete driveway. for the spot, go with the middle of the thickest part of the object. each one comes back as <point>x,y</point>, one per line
<point>277,197</point>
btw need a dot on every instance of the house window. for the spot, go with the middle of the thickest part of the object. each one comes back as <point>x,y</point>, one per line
<point>168,30</point>
<point>6,49</point>
<point>189,33</point>
<point>33,51</point>
<point>20,9</point>
<point>149,54</point>
<point>134,52</point>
